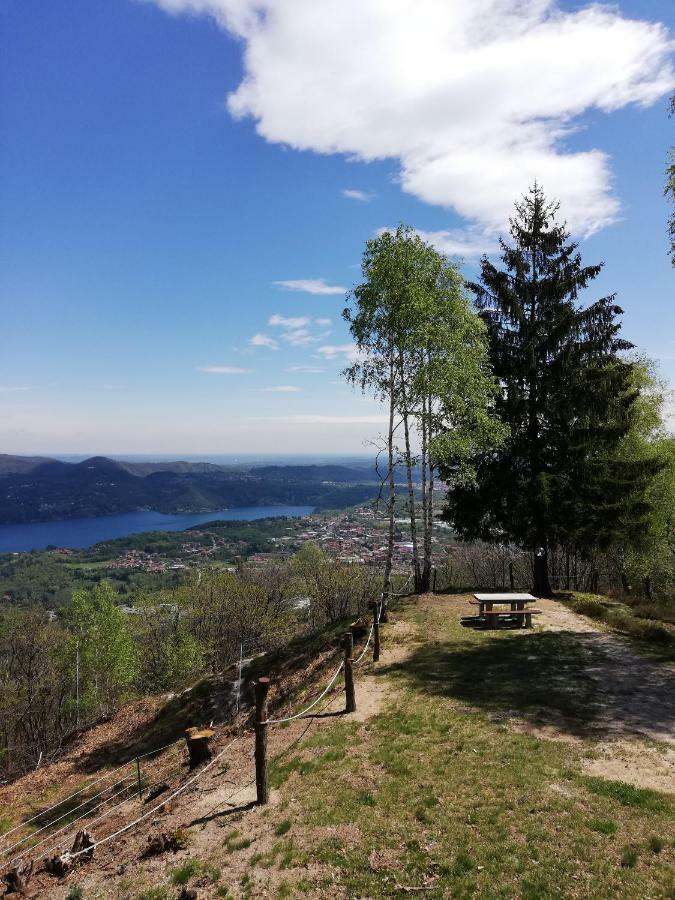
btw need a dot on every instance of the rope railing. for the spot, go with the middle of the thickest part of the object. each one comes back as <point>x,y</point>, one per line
<point>68,827</point>
<point>65,815</point>
<point>261,721</point>
<point>304,712</point>
<point>86,787</point>
<point>120,831</point>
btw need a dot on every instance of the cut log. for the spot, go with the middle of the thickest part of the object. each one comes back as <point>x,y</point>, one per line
<point>16,880</point>
<point>198,745</point>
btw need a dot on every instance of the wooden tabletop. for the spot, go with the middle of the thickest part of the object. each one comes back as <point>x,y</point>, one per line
<point>505,598</point>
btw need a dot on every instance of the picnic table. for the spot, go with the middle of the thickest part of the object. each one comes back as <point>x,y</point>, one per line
<point>517,604</point>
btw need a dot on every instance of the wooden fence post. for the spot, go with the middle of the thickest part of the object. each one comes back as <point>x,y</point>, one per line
<point>376,631</point>
<point>261,782</point>
<point>383,607</point>
<point>348,641</point>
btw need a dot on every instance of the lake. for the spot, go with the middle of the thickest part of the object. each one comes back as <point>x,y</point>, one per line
<point>77,533</point>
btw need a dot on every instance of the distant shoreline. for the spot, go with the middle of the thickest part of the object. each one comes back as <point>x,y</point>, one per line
<point>85,531</point>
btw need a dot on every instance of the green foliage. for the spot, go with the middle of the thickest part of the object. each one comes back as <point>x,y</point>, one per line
<point>424,351</point>
<point>102,640</point>
<point>75,892</point>
<point>335,589</point>
<point>568,398</point>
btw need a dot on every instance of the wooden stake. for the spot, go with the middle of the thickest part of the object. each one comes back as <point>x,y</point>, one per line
<point>348,641</point>
<point>376,631</point>
<point>261,781</point>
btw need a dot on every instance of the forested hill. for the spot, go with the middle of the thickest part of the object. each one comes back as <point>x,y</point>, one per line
<point>36,489</point>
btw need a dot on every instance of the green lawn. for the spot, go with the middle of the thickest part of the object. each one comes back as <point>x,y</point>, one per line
<point>436,796</point>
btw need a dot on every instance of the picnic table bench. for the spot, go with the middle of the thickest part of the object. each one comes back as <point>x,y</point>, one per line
<point>517,608</point>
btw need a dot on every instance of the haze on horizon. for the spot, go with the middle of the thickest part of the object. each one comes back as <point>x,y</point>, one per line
<point>181,223</point>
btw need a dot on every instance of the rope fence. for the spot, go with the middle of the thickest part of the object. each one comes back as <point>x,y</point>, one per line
<point>111,800</point>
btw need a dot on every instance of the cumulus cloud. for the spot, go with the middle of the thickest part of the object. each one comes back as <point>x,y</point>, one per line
<point>473,98</point>
<point>300,331</point>
<point>283,389</point>
<point>264,340</point>
<point>224,370</point>
<point>354,194</point>
<point>317,286</point>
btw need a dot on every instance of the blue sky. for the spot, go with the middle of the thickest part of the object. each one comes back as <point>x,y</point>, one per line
<point>149,224</point>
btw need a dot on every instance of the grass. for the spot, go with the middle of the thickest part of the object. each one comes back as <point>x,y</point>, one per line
<point>437,795</point>
<point>628,794</point>
<point>191,868</point>
<point>650,623</point>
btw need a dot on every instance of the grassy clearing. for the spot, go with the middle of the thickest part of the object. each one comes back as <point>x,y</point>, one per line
<point>436,794</point>
<point>651,623</point>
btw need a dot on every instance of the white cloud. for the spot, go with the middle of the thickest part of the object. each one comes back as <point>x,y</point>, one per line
<point>283,389</point>
<point>305,370</point>
<point>289,322</point>
<point>354,194</point>
<point>264,340</point>
<point>311,286</point>
<point>224,370</point>
<point>300,331</point>
<point>12,388</point>
<point>333,351</point>
<point>473,98</point>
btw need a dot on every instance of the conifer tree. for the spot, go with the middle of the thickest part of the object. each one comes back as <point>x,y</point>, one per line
<point>566,398</point>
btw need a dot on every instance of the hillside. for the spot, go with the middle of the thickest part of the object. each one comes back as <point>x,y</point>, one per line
<point>514,764</point>
<point>40,490</point>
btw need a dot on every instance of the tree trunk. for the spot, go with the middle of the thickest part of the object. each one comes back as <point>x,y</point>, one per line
<point>542,585</point>
<point>412,511</point>
<point>392,497</point>
<point>425,498</point>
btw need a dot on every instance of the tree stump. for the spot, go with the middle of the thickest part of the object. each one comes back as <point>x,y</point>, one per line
<point>198,745</point>
<point>83,848</point>
<point>16,880</point>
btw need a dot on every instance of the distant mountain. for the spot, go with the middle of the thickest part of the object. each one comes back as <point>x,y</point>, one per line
<point>16,464</point>
<point>39,489</point>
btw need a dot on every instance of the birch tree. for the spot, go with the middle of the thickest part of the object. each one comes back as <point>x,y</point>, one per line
<point>423,353</point>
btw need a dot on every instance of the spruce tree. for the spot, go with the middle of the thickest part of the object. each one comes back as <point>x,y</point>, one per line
<point>566,398</point>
